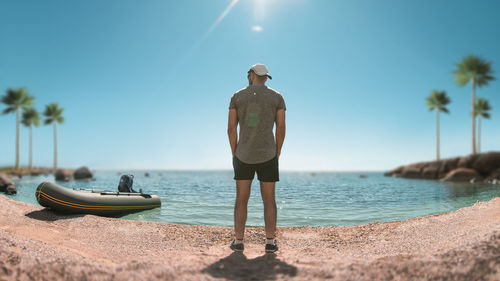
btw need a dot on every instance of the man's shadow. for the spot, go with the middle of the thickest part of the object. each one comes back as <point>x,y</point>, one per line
<point>236,266</point>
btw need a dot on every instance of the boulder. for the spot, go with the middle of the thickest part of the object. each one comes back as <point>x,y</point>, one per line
<point>63,175</point>
<point>478,166</point>
<point>413,171</point>
<point>494,177</point>
<point>431,171</point>
<point>447,165</point>
<point>462,174</point>
<point>6,185</point>
<point>395,172</point>
<point>82,173</point>
<point>11,189</point>
<point>467,161</point>
<point>486,163</point>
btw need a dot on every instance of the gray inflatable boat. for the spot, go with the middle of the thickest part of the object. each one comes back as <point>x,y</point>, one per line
<point>96,202</point>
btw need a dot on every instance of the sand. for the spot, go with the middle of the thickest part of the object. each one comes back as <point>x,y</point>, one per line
<point>36,244</point>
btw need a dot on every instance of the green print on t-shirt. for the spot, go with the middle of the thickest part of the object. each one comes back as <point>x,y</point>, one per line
<point>252,119</point>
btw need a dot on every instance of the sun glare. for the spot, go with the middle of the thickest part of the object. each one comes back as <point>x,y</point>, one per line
<point>257,28</point>
<point>260,10</point>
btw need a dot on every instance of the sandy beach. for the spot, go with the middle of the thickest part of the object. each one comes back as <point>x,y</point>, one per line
<point>36,244</point>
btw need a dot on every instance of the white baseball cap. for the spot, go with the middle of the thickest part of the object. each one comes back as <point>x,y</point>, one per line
<point>260,70</point>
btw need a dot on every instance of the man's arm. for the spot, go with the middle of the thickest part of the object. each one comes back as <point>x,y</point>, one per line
<point>280,130</point>
<point>232,131</point>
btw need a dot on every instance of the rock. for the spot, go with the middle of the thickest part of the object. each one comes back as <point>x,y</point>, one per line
<point>447,165</point>
<point>395,172</point>
<point>63,175</point>
<point>462,174</point>
<point>82,173</point>
<point>467,161</point>
<point>494,177</point>
<point>413,171</point>
<point>486,163</point>
<point>11,189</point>
<point>431,171</point>
<point>146,174</point>
<point>6,185</point>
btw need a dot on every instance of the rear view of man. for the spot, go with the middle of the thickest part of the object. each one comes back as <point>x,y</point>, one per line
<point>256,109</point>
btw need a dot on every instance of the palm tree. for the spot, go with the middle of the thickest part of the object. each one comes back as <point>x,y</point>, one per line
<point>437,100</point>
<point>478,71</point>
<point>53,115</point>
<point>15,99</point>
<point>31,118</point>
<point>482,108</point>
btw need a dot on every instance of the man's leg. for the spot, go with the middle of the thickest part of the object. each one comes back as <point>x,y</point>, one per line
<point>267,192</point>
<point>240,207</point>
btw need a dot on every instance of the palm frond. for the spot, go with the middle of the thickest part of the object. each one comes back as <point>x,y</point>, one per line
<point>18,98</point>
<point>30,117</point>
<point>482,106</point>
<point>438,99</point>
<point>8,110</point>
<point>473,67</point>
<point>461,78</point>
<point>53,113</point>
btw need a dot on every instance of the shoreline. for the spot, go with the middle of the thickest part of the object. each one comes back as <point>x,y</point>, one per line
<point>462,245</point>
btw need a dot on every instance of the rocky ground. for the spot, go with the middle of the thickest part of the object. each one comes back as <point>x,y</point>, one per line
<point>483,167</point>
<point>36,244</point>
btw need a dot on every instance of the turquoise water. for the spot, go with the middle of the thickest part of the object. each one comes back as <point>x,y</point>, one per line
<point>321,199</point>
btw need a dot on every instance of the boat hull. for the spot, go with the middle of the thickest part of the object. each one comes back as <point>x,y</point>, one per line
<point>102,203</point>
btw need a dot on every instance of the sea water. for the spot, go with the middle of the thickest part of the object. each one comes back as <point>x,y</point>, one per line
<point>302,198</point>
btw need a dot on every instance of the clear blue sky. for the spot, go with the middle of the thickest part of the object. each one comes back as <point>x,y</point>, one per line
<point>145,84</point>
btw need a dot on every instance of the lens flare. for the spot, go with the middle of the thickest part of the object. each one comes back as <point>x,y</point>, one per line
<point>220,18</point>
<point>257,28</point>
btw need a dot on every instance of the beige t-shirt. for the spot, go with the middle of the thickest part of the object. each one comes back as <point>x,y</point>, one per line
<point>256,107</point>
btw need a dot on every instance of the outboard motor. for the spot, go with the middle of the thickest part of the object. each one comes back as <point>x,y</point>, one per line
<point>126,182</point>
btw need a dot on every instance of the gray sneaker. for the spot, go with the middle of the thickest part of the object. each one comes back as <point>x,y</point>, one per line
<point>237,247</point>
<point>271,248</point>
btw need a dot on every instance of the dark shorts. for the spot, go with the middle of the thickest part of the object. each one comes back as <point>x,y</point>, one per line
<point>266,172</point>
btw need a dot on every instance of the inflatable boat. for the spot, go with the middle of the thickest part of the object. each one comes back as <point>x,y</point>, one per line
<point>95,202</point>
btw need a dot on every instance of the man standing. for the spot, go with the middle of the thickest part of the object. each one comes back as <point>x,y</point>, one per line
<point>256,109</point>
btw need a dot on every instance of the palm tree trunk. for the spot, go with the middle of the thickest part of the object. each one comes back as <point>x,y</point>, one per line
<point>437,134</point>
<point>479,134</point>
<point>18,122</point>
<point>31,147</point>
<point>473,105</point>
<point>55,147</point>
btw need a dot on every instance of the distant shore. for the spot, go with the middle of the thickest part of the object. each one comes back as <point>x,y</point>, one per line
<point>461,245</point>
<point>481,167</point>
<point>19,173</point>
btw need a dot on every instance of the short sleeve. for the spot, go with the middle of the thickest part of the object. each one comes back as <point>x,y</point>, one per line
<point>232,103</point>
<point>281,103</point>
